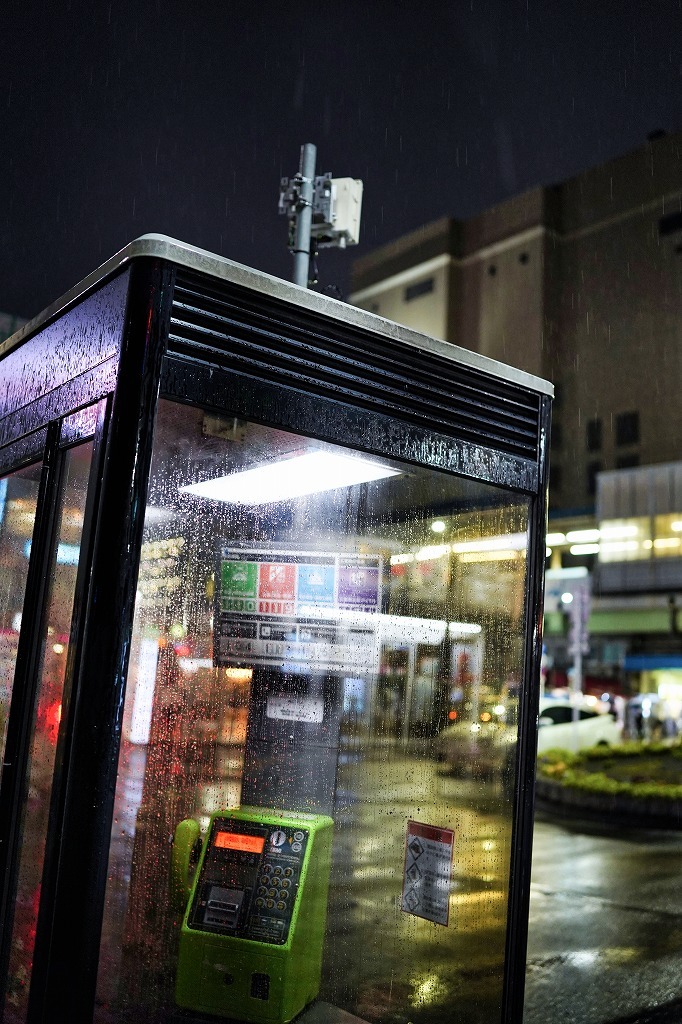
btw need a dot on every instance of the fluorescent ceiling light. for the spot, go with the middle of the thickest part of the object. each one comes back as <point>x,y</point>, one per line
<point>312,473</point>
<point>407,629</point>
<point>584,549</point>
<point>464,628</point>
<point>516,541</point>
<point>583,536</point>
<point>432,551</point>
<point>154,515</point>
<point>410,630</point>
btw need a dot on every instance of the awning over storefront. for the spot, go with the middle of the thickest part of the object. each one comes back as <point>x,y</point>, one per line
<point>649,662</point>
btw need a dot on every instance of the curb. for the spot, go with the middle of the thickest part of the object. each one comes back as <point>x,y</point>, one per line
<point>607,807</point>
<point>668,1013</point>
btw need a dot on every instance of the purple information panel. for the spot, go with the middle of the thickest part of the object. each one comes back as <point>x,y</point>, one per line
<point>358,586</point>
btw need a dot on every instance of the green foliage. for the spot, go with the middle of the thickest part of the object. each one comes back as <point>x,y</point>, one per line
<point>588,771</point>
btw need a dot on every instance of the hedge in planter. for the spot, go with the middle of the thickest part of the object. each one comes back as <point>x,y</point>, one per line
<point>639,770</point>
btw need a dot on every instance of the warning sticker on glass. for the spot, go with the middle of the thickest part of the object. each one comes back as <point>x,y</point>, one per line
<point>428,871</point>
<point>296,709</point>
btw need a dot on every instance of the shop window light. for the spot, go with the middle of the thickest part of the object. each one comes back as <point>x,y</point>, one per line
<point>402,559</point>
<point>584,549</point>
<point>583,537</point>
<point>627,545</point>
<point>617,532</point>
<point>311,473</point>
<point>503,555</point>
<point>504,542</point>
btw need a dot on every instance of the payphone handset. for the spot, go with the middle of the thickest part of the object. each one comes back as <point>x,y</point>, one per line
<point>253,928</point>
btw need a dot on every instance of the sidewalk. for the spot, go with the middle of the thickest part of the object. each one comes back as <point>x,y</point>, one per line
<point>605,927</point>
<point>670,1013</point>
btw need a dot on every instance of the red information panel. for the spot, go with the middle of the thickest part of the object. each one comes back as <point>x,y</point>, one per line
<point>276,588</point>
<point>428,871</point>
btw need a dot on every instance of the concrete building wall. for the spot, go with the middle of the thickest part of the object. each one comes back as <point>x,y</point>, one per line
<point>580,283</point>
<point>418,298</point>
<point>620,324</point>
<point>502,301</point>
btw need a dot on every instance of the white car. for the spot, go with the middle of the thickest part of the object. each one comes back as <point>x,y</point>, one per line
<point>485,749</point>
<point>591,728</point>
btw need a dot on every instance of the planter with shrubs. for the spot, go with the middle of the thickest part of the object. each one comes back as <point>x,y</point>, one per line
<point>637,783</point>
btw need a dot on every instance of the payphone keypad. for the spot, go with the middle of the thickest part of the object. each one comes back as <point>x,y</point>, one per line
<point>249,880</point>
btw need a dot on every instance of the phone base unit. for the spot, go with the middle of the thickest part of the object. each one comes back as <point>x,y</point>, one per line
<point>253,928</point>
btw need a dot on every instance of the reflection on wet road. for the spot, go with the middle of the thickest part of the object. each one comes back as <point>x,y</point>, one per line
<point>385,964</point>
<point>605,937</point>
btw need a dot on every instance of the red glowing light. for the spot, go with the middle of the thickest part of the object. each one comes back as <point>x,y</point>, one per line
<point>238,841</point>
<point>52,718</point>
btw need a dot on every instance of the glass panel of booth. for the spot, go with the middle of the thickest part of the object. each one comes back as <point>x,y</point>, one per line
<point>18,503</point>
<point>325,662</point>
<point>47,716</point>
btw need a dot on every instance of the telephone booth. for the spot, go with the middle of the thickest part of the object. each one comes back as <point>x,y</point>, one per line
<point>263,554</point>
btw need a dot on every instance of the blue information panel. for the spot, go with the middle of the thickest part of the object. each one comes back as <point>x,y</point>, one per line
<point>316,585</point>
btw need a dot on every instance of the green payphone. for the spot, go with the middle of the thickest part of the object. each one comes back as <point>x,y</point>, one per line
<point>254,921</point>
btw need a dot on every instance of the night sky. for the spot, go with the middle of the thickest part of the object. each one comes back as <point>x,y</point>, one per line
<point>180,117</point>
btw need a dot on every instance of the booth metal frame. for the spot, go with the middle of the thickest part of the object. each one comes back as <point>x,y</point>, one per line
<point>164,319</point>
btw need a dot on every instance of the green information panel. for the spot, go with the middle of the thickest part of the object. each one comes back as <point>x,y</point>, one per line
<point>239,586</point>
<point>295,609</point>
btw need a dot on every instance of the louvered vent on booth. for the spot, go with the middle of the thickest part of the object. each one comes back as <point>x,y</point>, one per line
<point>262,336</point>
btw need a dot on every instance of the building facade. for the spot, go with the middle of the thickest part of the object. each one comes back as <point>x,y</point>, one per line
<point>581,283</point>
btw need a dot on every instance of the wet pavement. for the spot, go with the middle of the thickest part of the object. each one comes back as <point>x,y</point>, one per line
<point>390,967</point>
<point>605,939</point>
<point>605,929</point>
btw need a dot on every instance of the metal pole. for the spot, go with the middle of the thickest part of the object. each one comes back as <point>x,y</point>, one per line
<point>577,681</point>
<point>304,216</point>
